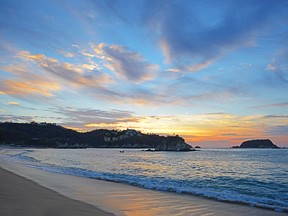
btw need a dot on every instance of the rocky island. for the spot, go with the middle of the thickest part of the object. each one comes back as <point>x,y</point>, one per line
<point>173,143</point>
<point>47,135</point>
<point>259,143</point>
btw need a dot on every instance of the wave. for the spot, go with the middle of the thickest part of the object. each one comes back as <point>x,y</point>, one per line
<point>23,157</point>
<point>171,185</point>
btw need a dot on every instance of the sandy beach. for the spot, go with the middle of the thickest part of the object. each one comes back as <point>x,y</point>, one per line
<point>33,193</point>
<point>19,196</point>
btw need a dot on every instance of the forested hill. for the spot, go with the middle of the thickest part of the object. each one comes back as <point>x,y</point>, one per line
<point>55,136</point>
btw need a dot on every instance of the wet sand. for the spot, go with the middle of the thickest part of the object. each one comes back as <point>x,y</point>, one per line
<point>20,196</point>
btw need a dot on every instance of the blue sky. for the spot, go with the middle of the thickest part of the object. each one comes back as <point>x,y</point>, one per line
<point>214,72</point>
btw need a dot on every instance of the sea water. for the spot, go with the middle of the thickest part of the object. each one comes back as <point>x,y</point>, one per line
<point>256,177</point>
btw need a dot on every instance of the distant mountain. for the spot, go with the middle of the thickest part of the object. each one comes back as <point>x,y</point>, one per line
<point>259,143</point>
<point>47,135</point>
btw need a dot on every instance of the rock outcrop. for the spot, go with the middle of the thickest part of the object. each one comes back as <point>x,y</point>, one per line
<point>260,143</point>
<point>173,143</point>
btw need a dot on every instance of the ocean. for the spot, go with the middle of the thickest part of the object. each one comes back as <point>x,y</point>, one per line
<point>255,177</point>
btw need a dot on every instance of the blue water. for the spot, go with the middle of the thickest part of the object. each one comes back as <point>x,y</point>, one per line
<point>256,177</point>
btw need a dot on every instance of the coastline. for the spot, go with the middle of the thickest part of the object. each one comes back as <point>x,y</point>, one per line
<point>121,199</point>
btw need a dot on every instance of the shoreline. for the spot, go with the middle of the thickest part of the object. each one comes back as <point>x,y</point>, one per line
<point>122,199</point>
<point>20,196</point>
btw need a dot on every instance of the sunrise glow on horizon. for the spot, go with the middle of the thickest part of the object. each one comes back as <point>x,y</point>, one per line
<point>213,72</point>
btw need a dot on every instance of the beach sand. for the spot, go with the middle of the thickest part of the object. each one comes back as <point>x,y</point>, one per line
<point>20,196</point>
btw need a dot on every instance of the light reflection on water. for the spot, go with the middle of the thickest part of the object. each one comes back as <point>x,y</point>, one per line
<point>257,177</point>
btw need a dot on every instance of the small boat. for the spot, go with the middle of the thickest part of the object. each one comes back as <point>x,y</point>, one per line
<point>121,151</point>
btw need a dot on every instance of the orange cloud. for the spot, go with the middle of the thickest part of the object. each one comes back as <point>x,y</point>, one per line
<point>23,88</point>
<point>202,65</point>
<point>173,70</point>
<point>89,76</point>
<point>89,66</point>
<point>98,49</point>
<point>13,103</point>
<point>166,51</point>
<point>74,74</point>
<point>72,67</point>
<point>66,54</point>
<point>26,55</point>
<point>14,69</point>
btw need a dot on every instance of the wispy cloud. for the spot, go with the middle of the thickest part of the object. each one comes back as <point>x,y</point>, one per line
<point>278,130</point>
<point>82,118</point>
<point>93,114</point>
<point>125,63</point>
<point>199,66</point>
<point>27,118</point>
<point>276,69</point>
<point>274,105</point>
<point>185,33</point>
<point>14,103</point>
<point>15,118</point>
<point>193,39</point>
<point>67,54</point>
<point>15,69</point>
<point>27,80</point>
<point>38,74</point>
<point>50,75</point>
<point>276,116</point>
<point>25,87</point>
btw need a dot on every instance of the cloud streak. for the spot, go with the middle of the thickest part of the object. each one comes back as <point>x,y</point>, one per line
<point>278,130</point>
<point>27,86</point>
<point>125,63</point>
<point>274,105</point>
<point>83,118</point>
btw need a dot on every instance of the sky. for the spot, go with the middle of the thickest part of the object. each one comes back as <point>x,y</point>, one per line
<point>213,72</point>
